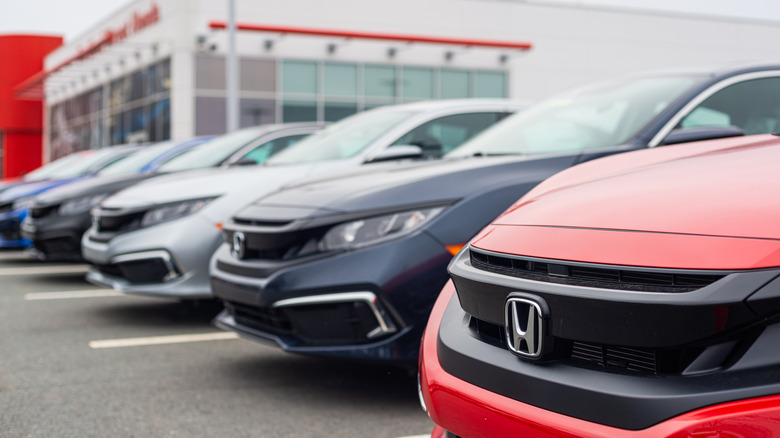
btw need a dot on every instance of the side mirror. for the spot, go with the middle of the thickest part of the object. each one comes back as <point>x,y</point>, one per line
<point>687,135</point>
<point>397,153</point>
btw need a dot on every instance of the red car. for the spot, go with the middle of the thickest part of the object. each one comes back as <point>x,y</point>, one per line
<point>633,296</point>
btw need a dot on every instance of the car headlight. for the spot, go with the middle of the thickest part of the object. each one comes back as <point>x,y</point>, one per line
<point>364,232</point>
<point>80,205</point>
<point>173,211</point>
<point>22,203</point>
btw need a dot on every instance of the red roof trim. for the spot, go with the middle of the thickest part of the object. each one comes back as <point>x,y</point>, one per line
<point>375,36</point>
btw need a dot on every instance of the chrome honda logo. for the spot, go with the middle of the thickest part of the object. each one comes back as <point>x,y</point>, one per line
<point>524,326</point>
<point>238,249</point>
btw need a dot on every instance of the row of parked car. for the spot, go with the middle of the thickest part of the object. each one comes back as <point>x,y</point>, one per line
<point>610,299</point>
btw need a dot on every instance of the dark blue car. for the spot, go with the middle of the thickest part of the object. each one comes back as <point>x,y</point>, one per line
<point>351,265</point>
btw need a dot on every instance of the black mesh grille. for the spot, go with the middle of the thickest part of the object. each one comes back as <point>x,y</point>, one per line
<point>630,359</point>
<point>606,278</point>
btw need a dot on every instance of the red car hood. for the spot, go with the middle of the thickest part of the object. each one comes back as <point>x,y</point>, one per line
<point>709,205</point>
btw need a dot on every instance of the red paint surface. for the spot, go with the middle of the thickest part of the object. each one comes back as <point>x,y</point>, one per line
<point>374,35</point>
<point>470,411</point>
<point>701,206</point>
<point>21,121</point>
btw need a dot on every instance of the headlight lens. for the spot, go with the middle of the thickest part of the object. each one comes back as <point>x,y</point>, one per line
<point>22,203</point>
<point>364,232</point>
<point>170,212</point>
<point>80,205</point>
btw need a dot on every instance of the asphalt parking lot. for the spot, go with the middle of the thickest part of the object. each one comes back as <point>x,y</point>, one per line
<point>81,361</point>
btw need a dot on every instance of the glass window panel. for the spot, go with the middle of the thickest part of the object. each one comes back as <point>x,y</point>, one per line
<point>340,79</point>
<point>379,81</point>
<point>163,76</point>
<point>136,86</point>
<point>209,72</point>
<point>442,135</point>
<point>255,112</point>
<point>490,84</point>
<point>265,150</point>
<point>299,111</point>
<point>335,111</point>
<point>299,77</point>
<point>750,105</point>
<point>210,115</point>
<point>417,83</point>
<point>165,115</point>
<point>258,74</point>
<point>454,84</point>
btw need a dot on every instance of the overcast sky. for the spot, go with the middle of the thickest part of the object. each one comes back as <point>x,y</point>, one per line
<point>71,18</point>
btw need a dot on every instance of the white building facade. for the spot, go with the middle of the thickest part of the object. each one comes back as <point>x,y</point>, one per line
<point>156,68</point>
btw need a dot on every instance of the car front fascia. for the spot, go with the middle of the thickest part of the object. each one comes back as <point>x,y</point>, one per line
<point>467,409</point>
<point>167,238</point>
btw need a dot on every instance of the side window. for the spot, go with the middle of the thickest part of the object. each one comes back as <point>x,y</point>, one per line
<point>261,153</point>
<point>753,106</point>
<point>442,135</point>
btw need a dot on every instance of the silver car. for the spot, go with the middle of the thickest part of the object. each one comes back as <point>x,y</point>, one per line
<point>156,238</point>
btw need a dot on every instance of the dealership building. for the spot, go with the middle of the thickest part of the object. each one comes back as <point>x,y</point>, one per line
<point>155,69</point>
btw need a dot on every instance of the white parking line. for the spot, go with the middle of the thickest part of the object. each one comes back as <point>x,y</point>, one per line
<point>44,270</point>
<point>160,340</point>
<point>418,436</point>
<point>71,294</point>
<point>14,255</point>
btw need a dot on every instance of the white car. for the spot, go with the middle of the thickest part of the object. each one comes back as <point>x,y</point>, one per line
<point>156,238</point>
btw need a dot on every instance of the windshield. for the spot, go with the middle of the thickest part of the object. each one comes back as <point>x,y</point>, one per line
<point>599,116</point>
<point>81,166</point>
<point>48,170</point>
<point>211,153</point>
<point>343,139</point>
<point>134,162</point>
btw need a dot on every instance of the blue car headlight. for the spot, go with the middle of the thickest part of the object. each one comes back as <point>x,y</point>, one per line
<point>169,212</point>
<point>370,231</point>
<point>80,205</point>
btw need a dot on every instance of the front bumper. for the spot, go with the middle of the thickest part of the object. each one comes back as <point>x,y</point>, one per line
<point>370,303</point>
<point>467,410</point>
<point>56,237</point>
<point>10,230</point>
<point>168,260</point>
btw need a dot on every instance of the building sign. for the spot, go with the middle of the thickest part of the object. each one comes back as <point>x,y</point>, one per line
<point>136,23</point>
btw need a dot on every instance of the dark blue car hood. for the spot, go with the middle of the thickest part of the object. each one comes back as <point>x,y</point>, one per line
<point>391,185</point>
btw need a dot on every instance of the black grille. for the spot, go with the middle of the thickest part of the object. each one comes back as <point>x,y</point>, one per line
<point>6,207</point>
<point>11,233</point>
<point>59,246</point>
<point>606,278</point>
<point>280,246</point>
<point>41,212</point>
<point>629,359</point>
<point>138,271</point>
<point>259,317</point>
<point>261,223</point>
<point>645,361</point>
<point>121,223</point>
